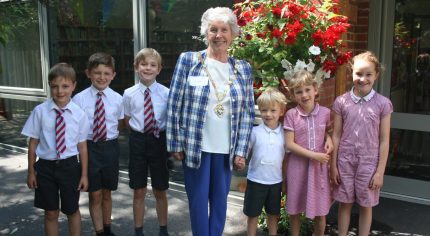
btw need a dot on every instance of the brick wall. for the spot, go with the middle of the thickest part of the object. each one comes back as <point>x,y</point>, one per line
<point>355,40</point>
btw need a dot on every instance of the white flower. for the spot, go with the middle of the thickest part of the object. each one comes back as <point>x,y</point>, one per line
<point>300,65</point>
<point>314,50</point>
<point>310,66</point>
<point>286,64</point>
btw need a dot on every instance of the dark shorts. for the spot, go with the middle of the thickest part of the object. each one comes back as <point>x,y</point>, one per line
<point>258,195</point>
<point>58,180</point>
<point>103,165</point>
<point>148,152</point>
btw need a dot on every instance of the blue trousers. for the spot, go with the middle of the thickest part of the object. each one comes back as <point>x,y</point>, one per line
<point>209,184</point>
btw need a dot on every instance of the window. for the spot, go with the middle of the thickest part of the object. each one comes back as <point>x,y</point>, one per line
<point>20,55</point>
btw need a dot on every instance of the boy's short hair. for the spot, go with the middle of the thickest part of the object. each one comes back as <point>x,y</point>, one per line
<point>147,52</point>
<point>100,58</point>
<point>270,97</point>
<point>62,69</point>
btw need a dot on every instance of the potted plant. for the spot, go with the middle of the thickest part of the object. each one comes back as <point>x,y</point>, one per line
<point>279,37</point>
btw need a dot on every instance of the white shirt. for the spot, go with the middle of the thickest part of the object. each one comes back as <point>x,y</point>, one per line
<point>216,130</point>
<point>41,125</point>
<point>112,102</point>
<point>268,151</point>
<point>134,100</point>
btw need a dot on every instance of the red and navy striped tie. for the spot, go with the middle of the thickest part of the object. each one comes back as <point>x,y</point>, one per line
<point>99,129</point>
<point>60,132</point>
<point>150,123</point>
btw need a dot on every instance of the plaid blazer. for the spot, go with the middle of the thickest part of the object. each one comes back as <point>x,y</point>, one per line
<point>187,107</point>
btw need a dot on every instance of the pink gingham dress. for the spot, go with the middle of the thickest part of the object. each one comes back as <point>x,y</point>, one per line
<point>358,152</point>
<point>308,186</point>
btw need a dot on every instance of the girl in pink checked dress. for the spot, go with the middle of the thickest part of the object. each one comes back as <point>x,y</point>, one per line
<point>361,134</point>
<point>306,125</point>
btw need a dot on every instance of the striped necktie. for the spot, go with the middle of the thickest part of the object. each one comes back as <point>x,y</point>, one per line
<point>60,132</point>
<point>99,129</point>
<point>150,123</point>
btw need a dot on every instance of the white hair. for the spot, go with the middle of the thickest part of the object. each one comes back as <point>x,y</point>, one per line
<point>223,14</point>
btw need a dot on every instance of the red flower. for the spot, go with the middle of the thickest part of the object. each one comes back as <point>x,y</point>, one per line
<point>261,35</point>
<point>248,37</point>
<point>318,37</point>
<point>291,38</point>
<point>276,33</point>
<point>329,65</point>
<point>277,11</point>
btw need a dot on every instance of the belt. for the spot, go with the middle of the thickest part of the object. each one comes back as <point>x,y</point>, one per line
<point>103,141</point>
<point>151,134</point>
<point>58,161</point>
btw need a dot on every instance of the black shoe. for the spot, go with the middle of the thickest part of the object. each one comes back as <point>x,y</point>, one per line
<point>163,233</point>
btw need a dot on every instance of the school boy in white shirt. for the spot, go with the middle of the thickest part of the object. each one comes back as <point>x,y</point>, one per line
<point>105,112</point>
<point>145,108</point>
<point>58,130</point>
<point>265,177</point>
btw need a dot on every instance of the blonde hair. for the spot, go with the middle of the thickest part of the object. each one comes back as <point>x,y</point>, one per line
<point>301,78</point>
<point>370,57</point>
<point>147,52</point>
<point>270,97</point>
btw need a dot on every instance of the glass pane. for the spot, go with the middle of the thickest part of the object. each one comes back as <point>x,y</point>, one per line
<point>20,64</point>
<point>172,25</point>
<point>410,79</point>
<point>80,28</point>
<point>409,154</point>
<point>13,114</point>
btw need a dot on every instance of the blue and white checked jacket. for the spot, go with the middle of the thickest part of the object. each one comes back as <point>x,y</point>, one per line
<point>187,107</point>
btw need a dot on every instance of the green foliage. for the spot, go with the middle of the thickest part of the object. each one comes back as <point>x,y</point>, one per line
<point>15,17</point>
<point>284,226</point>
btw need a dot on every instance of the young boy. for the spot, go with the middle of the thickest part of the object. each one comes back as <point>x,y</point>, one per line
<point>145,108</point>
<point>58,131</point>
<point>105,112</point>
<point>265,167</point>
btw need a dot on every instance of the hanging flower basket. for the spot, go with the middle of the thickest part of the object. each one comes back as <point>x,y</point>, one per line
<point>279,37</point>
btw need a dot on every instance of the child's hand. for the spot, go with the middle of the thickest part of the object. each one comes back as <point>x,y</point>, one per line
<point>239,163</point>
<point>177,155</point>
<point>334,175</point>
<point>328,146</point>
<point>83,184</point>
<point>31,180</point>
<point>376,182</point>
<point>322,157</point>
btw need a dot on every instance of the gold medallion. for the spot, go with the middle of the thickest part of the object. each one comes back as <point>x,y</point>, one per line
<point>219,110</point>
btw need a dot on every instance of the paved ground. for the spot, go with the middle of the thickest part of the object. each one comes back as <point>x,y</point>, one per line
<point>19,217</point>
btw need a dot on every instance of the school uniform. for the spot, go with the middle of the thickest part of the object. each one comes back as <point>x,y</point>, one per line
<point>146,149</point>
<point>358,153</point>
<point>103,154</point>
<point>58,174</point>
<point>264,178</point>
<point>308,180</point>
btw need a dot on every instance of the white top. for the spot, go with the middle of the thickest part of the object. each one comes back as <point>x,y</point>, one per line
<point>216,130</point>
<point>268,151</point>
<point>134,100</point>
<point>41,125</point>
<point>112,102</point>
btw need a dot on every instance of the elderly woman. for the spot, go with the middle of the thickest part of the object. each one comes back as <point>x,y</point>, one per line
<point>210,113</point>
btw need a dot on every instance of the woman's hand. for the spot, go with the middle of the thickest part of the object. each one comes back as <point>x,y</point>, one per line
<point>239,163</point>
<point>178,155</point>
